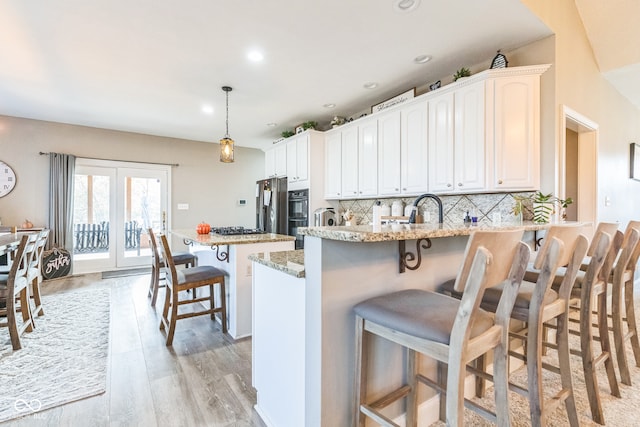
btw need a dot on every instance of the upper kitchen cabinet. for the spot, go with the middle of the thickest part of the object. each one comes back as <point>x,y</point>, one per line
<point>514,114</point>
<point>298,162</point>
<point>351,153</point>
<point>402,151</point>
<point>275,161</point>
<point>333,165</point>
<point>457,140</point>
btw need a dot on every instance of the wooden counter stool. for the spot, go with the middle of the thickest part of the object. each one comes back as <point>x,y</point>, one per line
<point>16,287</point>
<point>453,332</point>
<point>179,258</point>
<point>622,299</point>
<point>538,303</point>
<point>589,291</point>
<point>603,227</point>
<point>186,279</point>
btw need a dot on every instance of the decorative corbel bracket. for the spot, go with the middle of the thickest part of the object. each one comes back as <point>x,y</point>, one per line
<point>408,257</point>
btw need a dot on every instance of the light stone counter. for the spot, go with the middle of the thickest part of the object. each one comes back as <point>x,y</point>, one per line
<point>213,239</point>
<point>366,233</point>
<point>289,262</point>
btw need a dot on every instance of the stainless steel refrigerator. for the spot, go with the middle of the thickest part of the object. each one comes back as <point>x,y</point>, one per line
<point>271,205</point>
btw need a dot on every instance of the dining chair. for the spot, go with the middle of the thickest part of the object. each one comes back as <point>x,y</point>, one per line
<point>451,331</point>
<point>15,292</point>
<point>189,279</point>
<point>34,273</point>
<point>157,264</point>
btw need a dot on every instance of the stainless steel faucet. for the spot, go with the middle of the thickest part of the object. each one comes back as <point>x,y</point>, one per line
<point>412,218</point>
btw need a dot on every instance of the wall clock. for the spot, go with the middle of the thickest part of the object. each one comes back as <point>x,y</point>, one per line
<point>7,179</point>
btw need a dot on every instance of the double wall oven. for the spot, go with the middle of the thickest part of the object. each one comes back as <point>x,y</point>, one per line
<point>298,214</point>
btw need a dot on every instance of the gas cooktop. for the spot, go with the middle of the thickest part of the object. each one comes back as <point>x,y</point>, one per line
<point>236,230</point>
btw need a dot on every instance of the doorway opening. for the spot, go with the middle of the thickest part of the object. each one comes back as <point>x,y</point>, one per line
<point>577,165</point>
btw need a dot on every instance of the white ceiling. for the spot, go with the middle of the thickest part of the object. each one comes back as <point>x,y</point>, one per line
<point>148,66</point>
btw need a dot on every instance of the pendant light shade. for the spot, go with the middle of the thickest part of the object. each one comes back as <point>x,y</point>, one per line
<point>226,143</point>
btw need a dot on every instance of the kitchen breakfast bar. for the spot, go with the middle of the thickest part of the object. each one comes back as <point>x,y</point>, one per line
<point>304,326</point>
<point>230,254</point>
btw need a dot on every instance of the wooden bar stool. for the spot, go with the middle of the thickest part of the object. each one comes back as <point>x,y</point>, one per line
<point>537,303</point>
<point>17,287</point>
<point>179,258</point>
<point>453,332</point>
<point>589,291</point>
<point>186,279</point>
<point>622,299</point>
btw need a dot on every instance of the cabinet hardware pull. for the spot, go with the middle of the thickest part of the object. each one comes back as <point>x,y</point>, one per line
<point>459,184</point>
<point>449,185</point>
<point>397,189</point>
<point>499,181</point>
<point>404,189</point>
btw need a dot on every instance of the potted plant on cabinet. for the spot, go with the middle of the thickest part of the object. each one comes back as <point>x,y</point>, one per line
<point>543,205</point>
<point>462,72</point>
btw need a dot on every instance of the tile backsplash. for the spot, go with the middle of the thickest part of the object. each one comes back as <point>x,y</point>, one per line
<point>454,207</point>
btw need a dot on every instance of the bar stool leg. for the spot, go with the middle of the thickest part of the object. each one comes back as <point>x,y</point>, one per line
<point>534,372</point>
<point>412,381</point>
<point>605,344</point>
<point>618,334</point>
<point>362,351</point>
<point>562,340</point>
<point>630,313</point>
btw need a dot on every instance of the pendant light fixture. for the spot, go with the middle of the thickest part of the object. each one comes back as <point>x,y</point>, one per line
<point>226,143</point>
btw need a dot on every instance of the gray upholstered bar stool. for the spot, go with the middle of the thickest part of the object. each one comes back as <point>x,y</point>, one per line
<point>537,303</point>
<point>179,258</point>
<point>451,331</point>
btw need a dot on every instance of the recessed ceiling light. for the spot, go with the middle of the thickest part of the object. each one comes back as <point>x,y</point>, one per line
<point>422,59</point>
<point>370,85</point>
<point>272,125</point>
<point>207,109</point>
<point>405,5</point>
<point>329,105</point>
<point>255,56</point>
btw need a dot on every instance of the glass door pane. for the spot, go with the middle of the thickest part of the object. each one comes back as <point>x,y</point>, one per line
<point>92,211</point>
<point>143,205</point>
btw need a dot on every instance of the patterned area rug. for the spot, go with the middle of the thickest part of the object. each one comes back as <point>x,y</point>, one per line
<point>63,360</point>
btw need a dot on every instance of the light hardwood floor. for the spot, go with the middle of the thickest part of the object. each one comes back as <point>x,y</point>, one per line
<point>204,379</point>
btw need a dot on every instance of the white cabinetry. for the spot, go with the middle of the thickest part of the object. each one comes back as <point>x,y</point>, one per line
<point>333,166</point>
<point>389,154</point>
<point>297,164</point>
<point>275,161</point>
<point>349,162</point>
<point>402,151</point>
<point>368,159</point>
<point>457,140</point>
<point>516,131</point>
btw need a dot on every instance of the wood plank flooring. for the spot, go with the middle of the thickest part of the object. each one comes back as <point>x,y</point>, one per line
<point>204,379</point>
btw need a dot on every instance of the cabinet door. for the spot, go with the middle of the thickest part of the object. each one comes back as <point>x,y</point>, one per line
<point>389,154</point>
<point>291,161</point>
<point>469,135</point>
<point>414,149</point>
<point>333,166</point>
<point>349,162</point>
<point>441,143</point>
<point>270,163</point>
<point>281,160</point>
<point>302,158</point>
<point>368,159</point>
<point>516,123</point>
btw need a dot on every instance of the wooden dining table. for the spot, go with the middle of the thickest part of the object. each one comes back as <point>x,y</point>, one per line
<point>9,241</point>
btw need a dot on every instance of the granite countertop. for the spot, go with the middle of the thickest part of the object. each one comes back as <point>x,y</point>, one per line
<point>366,233</point>
<point>289,262</point>
<point>213,239</point>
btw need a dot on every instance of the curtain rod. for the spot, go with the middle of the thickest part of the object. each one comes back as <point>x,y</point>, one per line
<point>42,153</point>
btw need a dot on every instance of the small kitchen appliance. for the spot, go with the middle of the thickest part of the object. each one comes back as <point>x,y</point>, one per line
<point>324,217</point>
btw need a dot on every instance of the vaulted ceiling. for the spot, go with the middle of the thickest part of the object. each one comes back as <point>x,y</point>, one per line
<point>150,66</point>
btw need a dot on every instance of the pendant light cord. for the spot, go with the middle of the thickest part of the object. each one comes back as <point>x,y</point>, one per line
<point>227,134</point>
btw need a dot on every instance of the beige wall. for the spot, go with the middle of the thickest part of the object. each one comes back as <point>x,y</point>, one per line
<point>211,188</point>
<point>580,86</point>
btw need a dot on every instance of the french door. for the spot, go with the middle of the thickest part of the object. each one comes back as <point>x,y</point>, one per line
<point>115,203</point>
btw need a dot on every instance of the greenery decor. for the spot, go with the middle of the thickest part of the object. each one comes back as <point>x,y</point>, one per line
<point>462,72</point>
<point>287,133</point>
<point>309,125</point>
<point>543,205</point>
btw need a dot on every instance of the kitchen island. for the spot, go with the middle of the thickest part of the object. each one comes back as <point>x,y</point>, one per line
<point>307,377</point>
<point>230,254</point>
